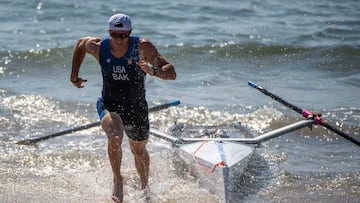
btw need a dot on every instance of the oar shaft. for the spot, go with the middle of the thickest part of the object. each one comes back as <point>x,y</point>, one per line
<point>87,126</point>
<point>275,97</point>
<point>75,129</point>
<point>304,113</point>
<point>342,134</point>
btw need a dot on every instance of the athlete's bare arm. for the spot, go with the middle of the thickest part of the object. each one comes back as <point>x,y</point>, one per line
<point>90,45</point>
<point>149,54</point>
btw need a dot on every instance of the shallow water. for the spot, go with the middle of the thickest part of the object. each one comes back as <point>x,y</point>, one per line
<point>306,52</point>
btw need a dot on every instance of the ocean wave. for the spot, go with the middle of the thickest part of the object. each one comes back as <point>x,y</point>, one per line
<point>229,48</point>
<point>253,49</point>
<point>12,61</point>
<point>15,62</point>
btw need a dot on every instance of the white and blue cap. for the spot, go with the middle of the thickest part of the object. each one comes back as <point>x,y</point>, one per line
<point>120,22</point>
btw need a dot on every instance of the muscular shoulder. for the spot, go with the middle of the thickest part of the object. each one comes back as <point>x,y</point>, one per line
<point>89,44</point>
<point>147,46</point>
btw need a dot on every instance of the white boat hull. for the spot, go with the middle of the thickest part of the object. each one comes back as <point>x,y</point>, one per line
<point>203,147</point>
<point>202,158</point>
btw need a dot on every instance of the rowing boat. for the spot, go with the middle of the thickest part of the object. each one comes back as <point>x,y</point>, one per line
<point>218,155</point>
<point>216,163</point>
<point>218,159</point>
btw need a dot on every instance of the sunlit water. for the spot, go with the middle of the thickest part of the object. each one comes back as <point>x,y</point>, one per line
<point>306,52</point>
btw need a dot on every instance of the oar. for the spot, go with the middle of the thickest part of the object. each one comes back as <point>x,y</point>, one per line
<point>305,113</point>
<point>87,126</point>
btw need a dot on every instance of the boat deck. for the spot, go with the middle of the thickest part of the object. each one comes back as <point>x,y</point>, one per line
<point>216,163</point>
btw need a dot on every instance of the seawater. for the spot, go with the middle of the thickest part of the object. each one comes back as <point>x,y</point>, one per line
<point>306,52</point>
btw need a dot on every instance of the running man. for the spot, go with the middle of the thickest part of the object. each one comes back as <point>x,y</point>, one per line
<point>125,61</point>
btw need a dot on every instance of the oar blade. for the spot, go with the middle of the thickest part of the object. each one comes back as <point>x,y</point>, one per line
<point>26,142</point>
<point>164,106</point>
<point>252,84</point>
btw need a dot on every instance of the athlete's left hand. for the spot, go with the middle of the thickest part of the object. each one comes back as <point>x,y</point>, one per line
<point>146,67</point>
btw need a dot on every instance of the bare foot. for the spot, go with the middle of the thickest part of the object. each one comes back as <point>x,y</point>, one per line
<point>147,194</point>
<point>117,193</point>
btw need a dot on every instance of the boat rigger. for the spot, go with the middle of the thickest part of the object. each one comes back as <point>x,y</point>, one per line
<point>218,160</point>
<point>215,158</point>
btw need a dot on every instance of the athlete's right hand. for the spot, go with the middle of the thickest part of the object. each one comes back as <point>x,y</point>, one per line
<point>78,83</point>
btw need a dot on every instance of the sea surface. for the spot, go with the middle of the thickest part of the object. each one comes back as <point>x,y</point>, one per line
<point>307,52</point>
